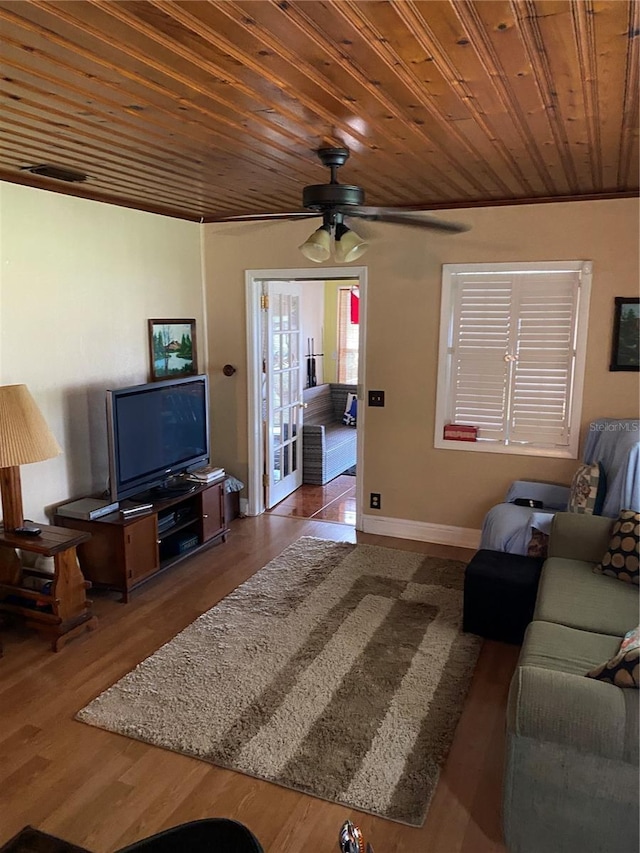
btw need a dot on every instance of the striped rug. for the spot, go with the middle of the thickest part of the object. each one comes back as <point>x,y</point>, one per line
<point>339,670</point>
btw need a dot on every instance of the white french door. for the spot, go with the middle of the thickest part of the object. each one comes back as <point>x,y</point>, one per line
<point>282,375</point>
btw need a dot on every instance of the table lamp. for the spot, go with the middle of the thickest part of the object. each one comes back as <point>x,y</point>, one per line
<point>24,437</point>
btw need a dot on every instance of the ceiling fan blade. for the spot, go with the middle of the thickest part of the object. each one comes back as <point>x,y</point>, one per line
<point>262,217</point>
<point>403,217</point>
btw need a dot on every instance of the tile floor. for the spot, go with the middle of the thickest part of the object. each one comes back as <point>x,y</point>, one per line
<point>335,501</point>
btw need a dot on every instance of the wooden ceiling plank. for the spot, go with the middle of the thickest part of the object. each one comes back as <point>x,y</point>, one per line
<point>610,21</point>
<point>172,9</point>
<point>582,16</point>
<point>300,15</point>
<point>283,120</point>
<point>628,158</point>
<point>196,108</point>
<point>521,90</point>
<point>451,85</point>
<point>79,191</point>
<point>470,16</point>
<point>487,148</point>
<point>111,179</point>
<point>359,94</point>
<point>43,73</point>
<point>34,148</point>
<point>104,121</point>
<point>277,58</point>
<point>48,115</point>
<point>557,29</point>
<point>233,142</point>
<point>528,20</point>
<point>150,48</point>
<point>232,148</point>
<point>231,115</point>
<point>103,180</point>
<point>99,180</point>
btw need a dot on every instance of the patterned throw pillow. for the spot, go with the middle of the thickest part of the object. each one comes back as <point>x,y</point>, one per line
<point>351,412</point>
<point>588,490</point>
<point>623,669</point>
<point>623,554</point>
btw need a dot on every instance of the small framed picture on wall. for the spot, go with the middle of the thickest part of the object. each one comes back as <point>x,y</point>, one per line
<point>626,334</point>
<point>172,349</point>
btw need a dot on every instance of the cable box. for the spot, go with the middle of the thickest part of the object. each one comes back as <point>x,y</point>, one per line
<point>87,508</point>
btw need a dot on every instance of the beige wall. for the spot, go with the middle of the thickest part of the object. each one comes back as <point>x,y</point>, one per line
<point>79,281</point>
<point>416,481</point>
<point>313,326</point>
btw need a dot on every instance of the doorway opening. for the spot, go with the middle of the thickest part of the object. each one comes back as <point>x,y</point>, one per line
<point>301,342</point>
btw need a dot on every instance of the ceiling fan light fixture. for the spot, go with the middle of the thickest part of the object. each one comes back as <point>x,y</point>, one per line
<point>349,246</point>
<point>317,247</point>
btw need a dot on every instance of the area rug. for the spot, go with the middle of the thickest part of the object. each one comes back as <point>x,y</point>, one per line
<point>339,670</point>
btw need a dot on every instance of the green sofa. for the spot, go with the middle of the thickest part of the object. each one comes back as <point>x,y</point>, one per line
<point>571,775</point>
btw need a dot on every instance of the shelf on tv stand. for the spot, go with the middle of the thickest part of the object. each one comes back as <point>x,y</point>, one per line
<point>125,552</point>
<point>165,492</point>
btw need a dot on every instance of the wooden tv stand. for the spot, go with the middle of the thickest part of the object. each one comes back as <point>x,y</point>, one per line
<point>125,552</point>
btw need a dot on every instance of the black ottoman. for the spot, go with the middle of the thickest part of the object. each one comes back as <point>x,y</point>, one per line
<point>500,594</point>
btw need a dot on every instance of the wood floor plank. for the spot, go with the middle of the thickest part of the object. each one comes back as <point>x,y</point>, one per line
<point>102,790</point>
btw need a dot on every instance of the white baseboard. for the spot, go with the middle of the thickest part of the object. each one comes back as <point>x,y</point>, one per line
<point>422,531</point>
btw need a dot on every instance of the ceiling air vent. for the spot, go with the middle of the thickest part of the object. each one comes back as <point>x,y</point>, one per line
<point>56,172</point>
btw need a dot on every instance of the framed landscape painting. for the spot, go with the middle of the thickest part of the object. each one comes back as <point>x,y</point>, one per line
<point>626,334</point>
<point>172,349</point>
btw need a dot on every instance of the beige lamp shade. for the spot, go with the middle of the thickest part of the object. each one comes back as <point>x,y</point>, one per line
<point>317,247</point>
<point>24,434</point>
<point>349,245</point>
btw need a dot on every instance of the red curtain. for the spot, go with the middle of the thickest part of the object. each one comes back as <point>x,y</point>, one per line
<point>355,306</point>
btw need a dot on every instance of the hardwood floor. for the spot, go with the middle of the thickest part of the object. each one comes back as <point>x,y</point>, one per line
<point>103,791</point>
<point>335,501</point>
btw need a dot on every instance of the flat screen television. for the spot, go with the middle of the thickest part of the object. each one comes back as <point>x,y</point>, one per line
<point>156,432</point>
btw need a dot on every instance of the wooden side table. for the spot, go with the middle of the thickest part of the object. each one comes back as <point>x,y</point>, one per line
<point>62,612</point>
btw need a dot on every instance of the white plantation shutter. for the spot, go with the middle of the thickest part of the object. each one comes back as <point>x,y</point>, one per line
<point>479,373</point>
<point>512,338</point>
<point>540,394</point>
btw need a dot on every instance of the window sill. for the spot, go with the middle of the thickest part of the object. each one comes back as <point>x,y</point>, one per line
<point>510,449</point>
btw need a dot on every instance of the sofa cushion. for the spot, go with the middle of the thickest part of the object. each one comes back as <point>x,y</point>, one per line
<point>570,593</point>
<point>623,669</point>
<point>622,557</point>
<point>564,649</point>
<point>588,490</point>
<point>551,700</point>
<point>579,537</point>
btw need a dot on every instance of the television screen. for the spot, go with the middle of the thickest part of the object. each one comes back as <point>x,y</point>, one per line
<point>156,431</point>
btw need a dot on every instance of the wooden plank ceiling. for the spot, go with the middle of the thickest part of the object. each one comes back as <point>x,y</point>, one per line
<point>200,109</point>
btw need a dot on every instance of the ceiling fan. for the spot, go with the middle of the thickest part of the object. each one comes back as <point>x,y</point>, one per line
<point>333,202</point>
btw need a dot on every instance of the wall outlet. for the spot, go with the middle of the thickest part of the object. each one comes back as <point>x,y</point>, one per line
<point>374,500</point>
<point>376,398</point>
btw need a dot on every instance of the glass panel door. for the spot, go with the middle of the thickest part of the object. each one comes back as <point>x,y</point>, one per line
<point>283,388</point>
